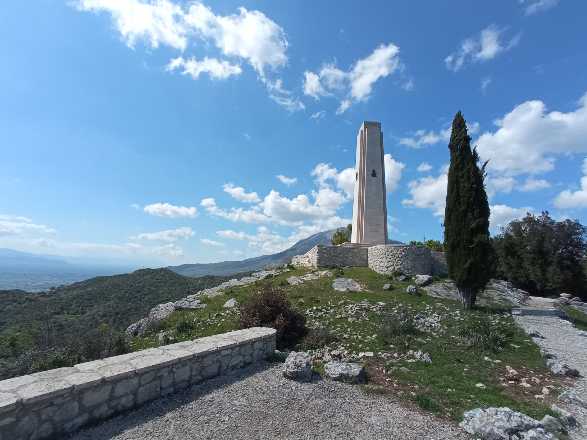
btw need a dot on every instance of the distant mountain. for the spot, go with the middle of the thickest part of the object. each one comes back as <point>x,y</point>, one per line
<point>256,263</point>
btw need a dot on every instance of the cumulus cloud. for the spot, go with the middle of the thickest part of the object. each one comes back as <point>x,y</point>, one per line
<point>429,193</point>
<point>503,184</point>
<point>532,7</point>
<point>424,167</point>
<point>501,215</point>
<point>171,211</point>
<point>423,138</point>
<point>317,116</point>
<point>344,180</point>
<point>216,69</point>
<point>212,243</point>
<point>528,139</point>
<point>239,193</point>
<point>355,84</point>
<point>393,172</point>
<point>532,184</point>
<point>249,36</point>
<point>264,240</point>
<point>288,181</point>
<point>11,225</point>
<point>169,235</point>
<point>574,199</point>
<point>253,215</point>
<point>483,47</point>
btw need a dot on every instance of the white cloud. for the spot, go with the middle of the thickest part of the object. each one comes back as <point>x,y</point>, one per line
<point>216,69</point>
<point>429,193</point>
<point>283,97</point>
<point>503,184</point>
<point>298,209</point>
<point>422,138</point>
<point>288,181</point>
<point>424,167</point>
<point>501,215</point>
<point>529,138</point>
<point>171,211</point>
<point>212,243</point>
<point>534,6</point>
<point>169,235</point>
<point>11,225</point>
<point>239,193</point>
<point>158,22</point>
<point>393,172</point>
<point>485,82</point>
<point>253,215</point>
<point>318,115</point>
<point>356,84</point>
<point>574,199</point>
<point>247,35</point>
<point>534,185</point>
<point>345,180</point>
<point>264,240</point>
<point>483,47</point>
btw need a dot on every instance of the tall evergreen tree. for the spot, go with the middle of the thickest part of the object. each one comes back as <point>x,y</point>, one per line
<point>466,219</point>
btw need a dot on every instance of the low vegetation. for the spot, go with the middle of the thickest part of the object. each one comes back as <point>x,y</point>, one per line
<point>578,318</point>
<point>83,321</point>
<point>425,350</point>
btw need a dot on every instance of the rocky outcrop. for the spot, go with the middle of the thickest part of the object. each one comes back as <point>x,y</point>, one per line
<point>346,285</point>
<point>297,280</point>
<point>422,280</point>
<point>348,372</point>
<point>191,302</point>
<point>298,367</point>
<point>503,424</point>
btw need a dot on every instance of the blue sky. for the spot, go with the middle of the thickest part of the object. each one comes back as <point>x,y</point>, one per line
<point>153,132</point>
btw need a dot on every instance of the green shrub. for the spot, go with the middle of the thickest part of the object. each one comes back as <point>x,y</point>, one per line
<point>317,338</point>
<point>398,322</point>
<point>271,308</point>
<point>427,403</point>
<point>184,325</point>
<point>481,333</point>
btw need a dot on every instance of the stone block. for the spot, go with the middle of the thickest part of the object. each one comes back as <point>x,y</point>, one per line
<point>182,373</point>
<point>76,423</point>
<point>66,411</point>
<point>26,426</point>
<point>43,389</point>
<point>97,395</point>
<point>148,392</point>
<point>84,379</point>
<point>8,402</point>
<point>126,386</point>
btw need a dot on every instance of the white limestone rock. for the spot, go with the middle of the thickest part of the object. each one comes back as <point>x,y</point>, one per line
<point>298,367</point>
<point>189,303</point>
<point>422,280</point>
<point>230,304</point>
<point>387,286</point>
<point>502,424</point>
<point>348,372</point>
<point>346,285</point>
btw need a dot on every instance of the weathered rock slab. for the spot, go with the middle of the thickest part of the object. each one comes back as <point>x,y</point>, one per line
<point>348,372</point>
<point>298,367</point>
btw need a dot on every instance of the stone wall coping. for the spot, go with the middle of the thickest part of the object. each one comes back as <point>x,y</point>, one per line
<point>47,385</point>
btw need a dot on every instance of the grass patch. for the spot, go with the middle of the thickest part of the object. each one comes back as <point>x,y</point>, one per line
<point>578,318</point>
<point>392,324</point>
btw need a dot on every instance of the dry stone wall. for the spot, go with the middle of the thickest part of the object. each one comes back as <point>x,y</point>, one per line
<point>385,259</point>
<point>410,260</point>
<point>53,403</point>
<point>332,256</point>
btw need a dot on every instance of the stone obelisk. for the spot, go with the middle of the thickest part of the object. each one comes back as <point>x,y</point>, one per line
<point>370,203</point>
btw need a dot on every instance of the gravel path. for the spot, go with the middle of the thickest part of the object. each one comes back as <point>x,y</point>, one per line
<point>261,404</point>
<point>569,345</point>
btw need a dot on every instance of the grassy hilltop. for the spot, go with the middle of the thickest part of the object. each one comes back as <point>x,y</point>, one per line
<point>471,352</point>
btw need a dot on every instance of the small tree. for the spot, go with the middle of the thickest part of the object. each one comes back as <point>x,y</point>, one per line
<point>466,219</point>
<point>342,235</point>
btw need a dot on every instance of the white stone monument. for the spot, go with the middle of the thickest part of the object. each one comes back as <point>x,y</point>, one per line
<point>370,203</point>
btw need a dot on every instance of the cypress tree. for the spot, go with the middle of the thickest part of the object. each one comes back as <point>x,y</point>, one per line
<point>466,218</point>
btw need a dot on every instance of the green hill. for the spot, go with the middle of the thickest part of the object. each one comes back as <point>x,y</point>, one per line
<point>84,320</point>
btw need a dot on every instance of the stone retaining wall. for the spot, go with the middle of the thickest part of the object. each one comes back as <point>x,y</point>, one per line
<point>332,256</point>
<point>385,259</point>
<point>410,260</point>
<point>53,403</point>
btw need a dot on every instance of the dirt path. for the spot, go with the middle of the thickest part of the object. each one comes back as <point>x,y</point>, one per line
<point>569,345</point>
